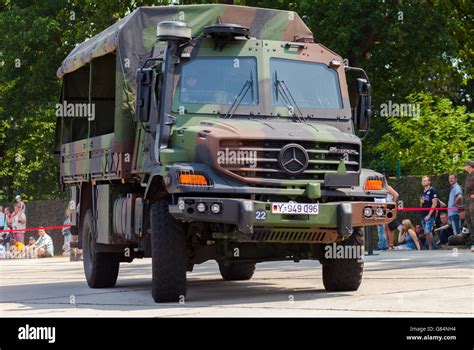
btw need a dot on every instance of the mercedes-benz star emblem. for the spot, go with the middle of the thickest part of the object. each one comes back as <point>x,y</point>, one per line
<point>293,159</point>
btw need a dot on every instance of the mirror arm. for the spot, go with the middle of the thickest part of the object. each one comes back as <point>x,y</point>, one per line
<point>357,69</point>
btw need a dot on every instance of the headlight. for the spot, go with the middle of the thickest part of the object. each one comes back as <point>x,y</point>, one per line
<point>368,212</point>
<point>379,211</point>
<point>216,208</point>
<point>201,207</point>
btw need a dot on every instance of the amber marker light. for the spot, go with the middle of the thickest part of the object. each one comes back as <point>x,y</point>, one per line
<point>193,179</point>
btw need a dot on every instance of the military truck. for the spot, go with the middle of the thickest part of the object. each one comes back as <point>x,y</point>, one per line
<point>219,133</point>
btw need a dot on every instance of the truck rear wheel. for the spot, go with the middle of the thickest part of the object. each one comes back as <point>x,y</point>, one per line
<point>101,269</point>
<point>345,274</point>
<point>169,258</point>
<point>236,271</point>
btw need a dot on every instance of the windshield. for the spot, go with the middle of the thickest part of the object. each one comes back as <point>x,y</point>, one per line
<point>218,80</point>
<point>312,85</point>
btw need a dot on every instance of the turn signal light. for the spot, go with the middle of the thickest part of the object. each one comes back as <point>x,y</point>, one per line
<point>193,179</point>
<point>373,185</point>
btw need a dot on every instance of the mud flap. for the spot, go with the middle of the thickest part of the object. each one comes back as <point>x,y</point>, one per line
<point>246,213</point>
<point>344,219</point>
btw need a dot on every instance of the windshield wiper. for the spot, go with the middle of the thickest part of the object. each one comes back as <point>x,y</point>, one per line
<point>248,85</point>
<point>280,86</point>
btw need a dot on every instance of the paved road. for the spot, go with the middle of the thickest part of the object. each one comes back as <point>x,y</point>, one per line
<point>438,283</point>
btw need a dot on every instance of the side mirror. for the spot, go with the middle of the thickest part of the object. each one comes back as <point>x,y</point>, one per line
<point>144,80</point>
<point>364,105</point>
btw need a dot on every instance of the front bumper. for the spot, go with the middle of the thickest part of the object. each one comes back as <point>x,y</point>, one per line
<point>224,185</point>
<point>334,218</point>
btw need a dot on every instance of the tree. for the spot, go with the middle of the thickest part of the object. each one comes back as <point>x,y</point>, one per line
<point>437,141</point>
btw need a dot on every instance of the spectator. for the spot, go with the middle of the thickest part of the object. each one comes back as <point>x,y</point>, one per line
<point>382,241</point>
<point>3,219</point>
<point>455,201</point>
<point>18,223</point>
<point>20,202</point>
<point>463,237</point>
<point>44,245</point>
<point>420,234</point>
<point>31,241</point>
<point>3,252</point>
<point>428,200</point>
<point>407,239</point>
<point>31,248</point>
<point>67,233</point>
<point>17,249</point>
<point>392,196</point>
<point>5,238</point>
<point>469,200</point>
<point>438,223</point>
<point>445,230</point>
<point>8,213</point>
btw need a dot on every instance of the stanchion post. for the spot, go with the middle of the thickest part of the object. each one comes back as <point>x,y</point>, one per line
<point>368,238</point>
<point>369,242</point>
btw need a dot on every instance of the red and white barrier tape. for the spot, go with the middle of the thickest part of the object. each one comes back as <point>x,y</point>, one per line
<point>37,228</point>
<point>426,209</point>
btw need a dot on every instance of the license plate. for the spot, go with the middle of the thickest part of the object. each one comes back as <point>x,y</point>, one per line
<point>295,208</point>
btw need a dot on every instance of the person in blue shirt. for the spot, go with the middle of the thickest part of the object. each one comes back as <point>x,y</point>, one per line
<point>455,201</point>
<point>429,200</point>
<point>407,240</point>
<point>3,219</point>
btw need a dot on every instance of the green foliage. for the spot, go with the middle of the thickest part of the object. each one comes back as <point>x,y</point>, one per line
<point>439,141</point>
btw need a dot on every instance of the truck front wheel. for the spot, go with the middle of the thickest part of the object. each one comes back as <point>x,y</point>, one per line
<point>236,271</point>
<point>344,273</point>
<point>169,258</point>
<point>101,269</point>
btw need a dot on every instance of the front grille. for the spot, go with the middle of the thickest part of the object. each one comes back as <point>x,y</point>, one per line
<point>289,235</point>
<point>259,159</point>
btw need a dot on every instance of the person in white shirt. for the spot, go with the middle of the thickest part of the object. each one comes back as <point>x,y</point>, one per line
<point>18,223</point>
<point>44,244</point>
